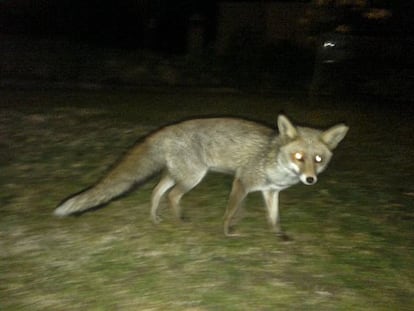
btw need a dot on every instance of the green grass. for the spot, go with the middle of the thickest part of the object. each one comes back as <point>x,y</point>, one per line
<point>353,242</point>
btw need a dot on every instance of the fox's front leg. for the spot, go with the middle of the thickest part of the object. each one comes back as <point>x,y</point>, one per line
<point>237,195</point>
<point>271,198</point>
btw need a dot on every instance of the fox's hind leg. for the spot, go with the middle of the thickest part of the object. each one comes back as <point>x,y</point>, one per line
<point>237,195</point>
<point>174,197</point>
<point>164,185</point>
<point>181,188</point>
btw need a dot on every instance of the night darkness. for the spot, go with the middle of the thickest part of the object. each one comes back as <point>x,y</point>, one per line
<point>127,24</point>
<point>161,24</point>
<point>247,48</point>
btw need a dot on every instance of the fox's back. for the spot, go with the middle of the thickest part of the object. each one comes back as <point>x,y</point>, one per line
<point>220,143</point>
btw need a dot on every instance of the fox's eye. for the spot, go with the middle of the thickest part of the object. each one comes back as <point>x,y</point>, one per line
<point>298,156</point>
<point>318,159</point>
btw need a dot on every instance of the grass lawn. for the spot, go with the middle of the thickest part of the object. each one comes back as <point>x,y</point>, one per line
<point>353,237</point>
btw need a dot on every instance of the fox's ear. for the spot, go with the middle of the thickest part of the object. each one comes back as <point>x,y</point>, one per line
<point>286,128</point>
<point>333,136</point>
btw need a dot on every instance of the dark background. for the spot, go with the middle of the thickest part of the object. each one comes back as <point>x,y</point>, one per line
<point>126,24</point>
<point>211,43</point>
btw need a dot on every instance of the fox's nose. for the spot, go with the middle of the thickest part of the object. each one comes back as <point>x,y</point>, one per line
<point>310,180</point>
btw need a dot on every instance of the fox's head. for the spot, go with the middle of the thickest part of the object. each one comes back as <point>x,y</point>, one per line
<point>306,152</point>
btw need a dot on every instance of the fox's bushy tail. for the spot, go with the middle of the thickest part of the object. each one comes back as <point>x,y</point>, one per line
<point>139,164</point>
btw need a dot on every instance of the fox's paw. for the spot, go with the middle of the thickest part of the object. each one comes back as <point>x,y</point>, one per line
<point>231,233</point>
<point>234,235</point>
<point>156,219</point>
<point>183,219</point>
<point>283,236</point>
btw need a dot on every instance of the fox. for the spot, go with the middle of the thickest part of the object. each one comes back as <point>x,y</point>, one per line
<point>260,157</point>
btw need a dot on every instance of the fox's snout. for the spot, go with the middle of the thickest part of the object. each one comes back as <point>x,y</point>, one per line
<point>308,180</point>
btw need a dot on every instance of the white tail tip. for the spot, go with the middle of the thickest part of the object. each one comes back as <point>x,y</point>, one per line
<point>66,208</point>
